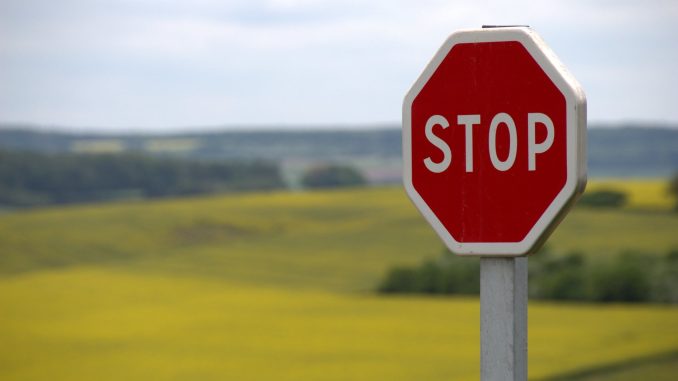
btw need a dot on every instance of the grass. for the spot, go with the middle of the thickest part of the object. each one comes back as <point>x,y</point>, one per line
<point>662,367</point>
<point>604,232</point>
<point>334,240</point>
<point>277,286</point>
<point>645,224</point>
<point>337,240</point>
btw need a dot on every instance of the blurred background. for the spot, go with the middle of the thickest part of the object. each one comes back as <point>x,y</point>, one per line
<point>211,190</point>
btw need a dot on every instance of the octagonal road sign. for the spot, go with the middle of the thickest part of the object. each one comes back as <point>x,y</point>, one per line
<point>494,141</point>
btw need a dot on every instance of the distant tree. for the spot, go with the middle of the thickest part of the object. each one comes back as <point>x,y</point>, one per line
<point>331,176</point>
<point>604,198</point>
<point>673,190</point>
<point>429,278</point>
<point>448,274</point>
<point>32,179</point>
<point>626,278</point>
<point>665,279</point>
<point>558,277</point>
<point>399,280</point>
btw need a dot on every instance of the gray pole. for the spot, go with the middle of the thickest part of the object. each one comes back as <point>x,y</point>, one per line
<point>503,319</point>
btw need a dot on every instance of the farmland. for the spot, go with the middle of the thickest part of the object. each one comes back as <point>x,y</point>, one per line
<point>279,285</point>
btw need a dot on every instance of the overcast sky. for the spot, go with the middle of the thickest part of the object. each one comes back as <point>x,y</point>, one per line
<point>151,65</point>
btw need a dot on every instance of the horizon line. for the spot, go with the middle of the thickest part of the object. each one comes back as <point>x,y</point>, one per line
<point>282,127</point>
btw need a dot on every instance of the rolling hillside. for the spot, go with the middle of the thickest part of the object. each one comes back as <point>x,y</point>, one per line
<point>334,240</point>
<point>278,285</point>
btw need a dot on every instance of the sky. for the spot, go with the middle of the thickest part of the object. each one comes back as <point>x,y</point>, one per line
<point>152,65</point>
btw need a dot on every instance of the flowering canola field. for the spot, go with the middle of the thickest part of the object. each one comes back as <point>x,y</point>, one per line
<point>278,286</point>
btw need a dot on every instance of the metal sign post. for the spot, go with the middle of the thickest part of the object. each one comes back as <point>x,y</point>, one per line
<point>503,319</point>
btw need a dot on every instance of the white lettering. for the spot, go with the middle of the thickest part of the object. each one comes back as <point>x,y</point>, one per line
<point>505,119</point>
<point>469,121</point>
<point>438,120</point>
<point>472,120</point>
<point>533,148</point>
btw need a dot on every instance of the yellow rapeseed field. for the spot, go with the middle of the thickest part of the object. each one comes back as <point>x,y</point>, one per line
<point>642,193</point>
<point>279,286</point>
<point>107,324</point>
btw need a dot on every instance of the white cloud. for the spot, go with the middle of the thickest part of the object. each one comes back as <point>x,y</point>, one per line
<point>209,62</point>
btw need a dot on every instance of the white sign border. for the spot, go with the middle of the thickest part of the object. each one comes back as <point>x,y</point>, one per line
<point>576,142</point>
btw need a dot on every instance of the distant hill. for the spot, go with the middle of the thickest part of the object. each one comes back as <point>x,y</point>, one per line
<point>625,151</point>
<point>633,151</point>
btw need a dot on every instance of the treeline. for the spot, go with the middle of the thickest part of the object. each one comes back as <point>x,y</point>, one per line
<point>332,176</point>
<point>632,150</point>
<point>33,179</point>
<point>626,277</point>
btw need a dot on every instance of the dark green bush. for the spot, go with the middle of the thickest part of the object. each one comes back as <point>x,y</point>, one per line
<point>625,278</point>
<point>558,277</point>
<point>398,280</point>
<point>447,275</point>
<point>607,198</point>
<point>461,275</point>
<point>628,277</point>
<point>673,190</point>
<point>428,278</point>
<point>665,280</point>
<point>332,176</point>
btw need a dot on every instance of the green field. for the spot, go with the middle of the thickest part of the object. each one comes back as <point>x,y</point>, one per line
<point>656,368</point>
<point>278,286</point>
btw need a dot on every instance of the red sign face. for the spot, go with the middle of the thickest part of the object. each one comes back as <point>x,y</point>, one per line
<point>493,135</point>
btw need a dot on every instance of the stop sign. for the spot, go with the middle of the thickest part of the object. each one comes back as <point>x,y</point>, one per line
<point>494,134</point>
